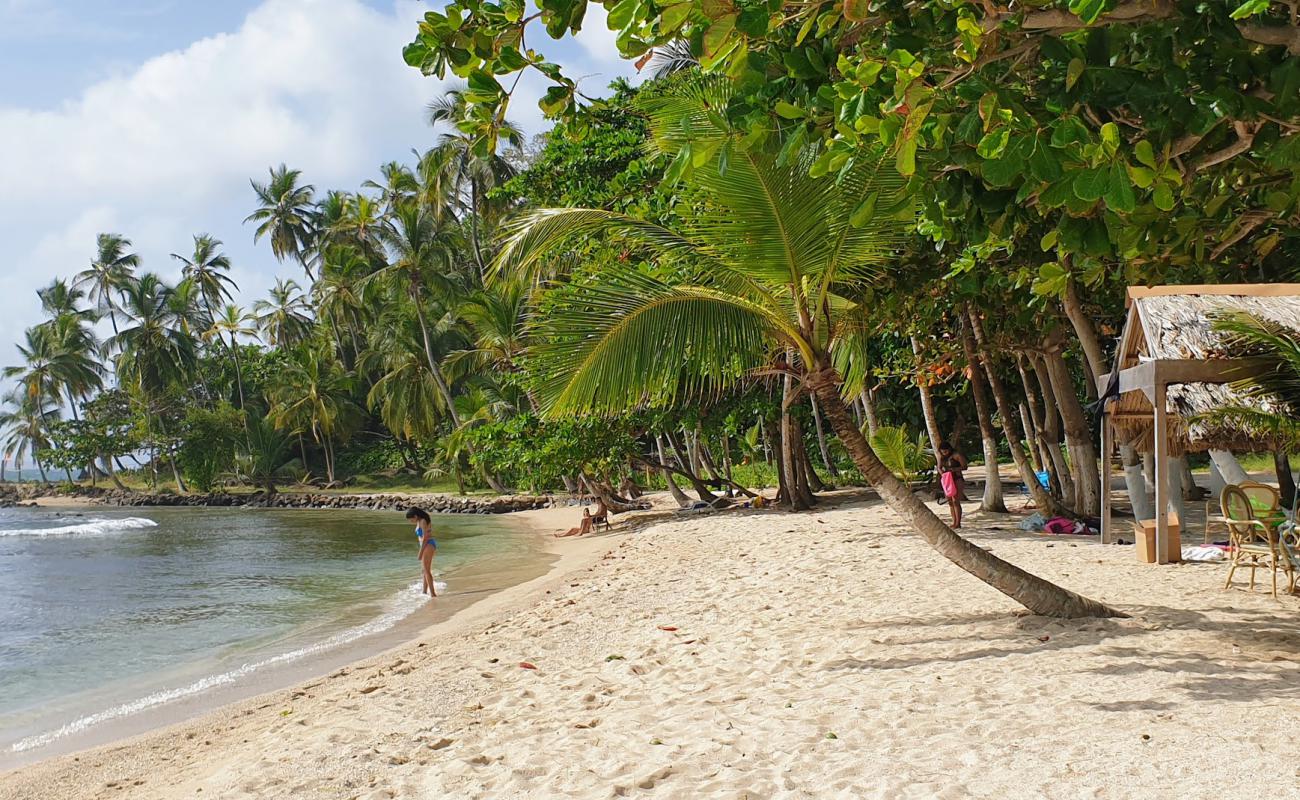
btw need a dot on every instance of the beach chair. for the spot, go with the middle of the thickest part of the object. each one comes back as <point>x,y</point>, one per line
<point>1253,543</point>
<point>1265,500</point>
<point>1044,480</point>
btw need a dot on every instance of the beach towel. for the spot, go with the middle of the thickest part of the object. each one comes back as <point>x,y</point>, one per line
<point>1033,522</point>
<point>949,483</point>
<point>1204,553</point>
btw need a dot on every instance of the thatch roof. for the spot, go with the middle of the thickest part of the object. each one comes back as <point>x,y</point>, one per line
<point>1176,323</point>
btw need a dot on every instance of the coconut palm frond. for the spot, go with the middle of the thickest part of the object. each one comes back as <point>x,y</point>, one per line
<point>633,340</point>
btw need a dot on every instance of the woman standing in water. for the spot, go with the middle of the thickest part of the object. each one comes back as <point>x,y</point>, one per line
<point>428,547</point>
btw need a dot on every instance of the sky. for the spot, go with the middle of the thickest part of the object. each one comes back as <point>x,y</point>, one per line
<point>148,118</point>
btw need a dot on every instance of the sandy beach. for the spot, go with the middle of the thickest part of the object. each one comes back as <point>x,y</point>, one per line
<point>762,654</point>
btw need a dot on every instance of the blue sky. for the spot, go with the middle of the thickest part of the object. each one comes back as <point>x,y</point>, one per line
<point>149,117</point>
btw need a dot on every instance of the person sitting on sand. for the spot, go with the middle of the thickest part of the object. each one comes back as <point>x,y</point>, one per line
<point>588,523</point>
<point>951,465</point>
<point>428,547</point>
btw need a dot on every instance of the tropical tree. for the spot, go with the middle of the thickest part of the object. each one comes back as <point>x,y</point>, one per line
<point>111,269</point>
<point>284,317</point>
<point>1275,387</point>
<point>155,352</point>
<point>24,424</point>
<point>204,272</point>
<point>285,215</point>
<point>757,277</point>
<point>233,322</point>
<point>313,395</point>
<point>465,170</point>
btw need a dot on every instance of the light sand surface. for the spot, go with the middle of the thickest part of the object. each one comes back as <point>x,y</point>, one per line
<point>762,654</point>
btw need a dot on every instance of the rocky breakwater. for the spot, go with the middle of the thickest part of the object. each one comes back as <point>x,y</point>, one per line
<point>434,503</point>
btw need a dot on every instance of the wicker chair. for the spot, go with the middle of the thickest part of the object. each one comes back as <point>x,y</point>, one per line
<point>1264,499</point>
<point>1254,544</point>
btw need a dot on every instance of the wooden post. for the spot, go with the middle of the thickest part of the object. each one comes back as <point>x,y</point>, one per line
<point>1107,435</point>
<point>1162,471</point>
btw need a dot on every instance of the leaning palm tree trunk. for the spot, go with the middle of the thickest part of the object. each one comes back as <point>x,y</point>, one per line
<point>1037,595</point>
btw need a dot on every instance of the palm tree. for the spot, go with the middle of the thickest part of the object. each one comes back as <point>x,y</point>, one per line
<point>233,322</point>
<point>766,262</point>
<point>460,170</point>
<point>111,269</point>
<point>155,350</point>
<point>283,317</point>
<point>421,246</point>
<point>312,395</point>
<point>204,272</point>
<point>23,426</point>
<point>397,187</point>
<point>267,453</point>
<point>285,214</point>
<point>1276,386</point>
<point>59,361</point>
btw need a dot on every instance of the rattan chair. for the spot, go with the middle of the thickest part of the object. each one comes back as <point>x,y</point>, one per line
<point>1264,499</point>
<point>1253,543</point>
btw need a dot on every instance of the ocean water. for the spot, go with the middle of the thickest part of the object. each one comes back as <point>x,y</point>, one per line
<point>108,614</point>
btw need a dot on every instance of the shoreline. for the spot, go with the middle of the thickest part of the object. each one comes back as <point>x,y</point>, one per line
<point>122,727</point>
<point>767,654</point>
<point>56,495</point>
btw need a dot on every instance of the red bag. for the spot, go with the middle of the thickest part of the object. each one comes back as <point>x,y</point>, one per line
<point>949,483</point>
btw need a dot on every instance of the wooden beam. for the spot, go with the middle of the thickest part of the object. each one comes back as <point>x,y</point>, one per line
<point>1164,371</point>
<point>1230,289</point>
<point>1107,435</point>
<point>1162,473</point>
<point>1141,378</point>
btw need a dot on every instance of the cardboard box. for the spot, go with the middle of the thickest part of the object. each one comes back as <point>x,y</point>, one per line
<point>1144,533</point>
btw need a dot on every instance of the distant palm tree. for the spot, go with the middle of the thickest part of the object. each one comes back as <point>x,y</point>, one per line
<point>155,348</point>
<point>111,269</point>
<point>283,317</point>
<point>233,322</point>
<point>23,426</point>
<point>205,270</point>
<point>459,173</point>
<point>398,185</point>
<point>285,215</point>
<point>312,395</point>
<point>59,361</point>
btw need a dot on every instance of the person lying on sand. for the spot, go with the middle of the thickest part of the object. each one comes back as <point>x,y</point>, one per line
<point>584,528</point>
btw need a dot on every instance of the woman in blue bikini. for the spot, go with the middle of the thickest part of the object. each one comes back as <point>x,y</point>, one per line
<point>428,547</point>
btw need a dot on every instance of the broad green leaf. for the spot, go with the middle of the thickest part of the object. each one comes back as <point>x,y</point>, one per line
<point>1145,153</point>
<point>1072,73</point>
<point>1043,163</point>
<point>1277,201</point>
<point>1119,195</point>
<point>905,161</point>
<point>1250,8</point>
<point>865,210</point>
<point>803,30</point>
<point>1090,184</point>
<point>718,34</point>
<point>788,110</point>
<point>1049,240</point>
<point>674,16</point>
<point>1051,280</point>
<point>1163,197</point>
<point>857,10</point>
<point>1141,176</point>
<point>621,14</point>
<point>992,145</point>
<point>1088,10</point>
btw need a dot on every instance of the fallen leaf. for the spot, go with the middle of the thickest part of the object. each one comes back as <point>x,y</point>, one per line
<point>668,628</point>
<point>527,665</point>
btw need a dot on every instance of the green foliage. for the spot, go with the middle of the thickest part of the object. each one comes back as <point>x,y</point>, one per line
<point>538,454</point>
<point>905,456</point>
<point>208,441</point>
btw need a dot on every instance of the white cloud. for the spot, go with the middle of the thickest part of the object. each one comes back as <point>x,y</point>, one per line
<point>165,148</point>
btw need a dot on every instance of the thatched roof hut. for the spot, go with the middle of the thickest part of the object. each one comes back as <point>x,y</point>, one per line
<point>1171,368</point>
<point>1169,347</point>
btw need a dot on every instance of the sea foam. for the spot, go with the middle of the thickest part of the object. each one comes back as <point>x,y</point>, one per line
<point>400,606</point>
<point>91,527</point>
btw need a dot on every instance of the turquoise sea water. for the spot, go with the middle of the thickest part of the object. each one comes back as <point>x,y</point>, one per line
<point>105,614</point>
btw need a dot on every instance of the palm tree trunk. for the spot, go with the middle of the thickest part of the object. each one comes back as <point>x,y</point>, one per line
<point>1049,428</point>
<point>927,403</point>
<point>1083,454</point>
<point>811,482</point>
<point>1031,437</point>
<point>821,439</point>
<point>1039,596</point>
<point>1095,361</point>
<point>790,472</point>
<point>1049,505</point>
<point>1285,480</point>
<point>992,499</point>
<point>869,407</point>
<point>444,388</point>
<point>473,231</point>
<point>682,500</point>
